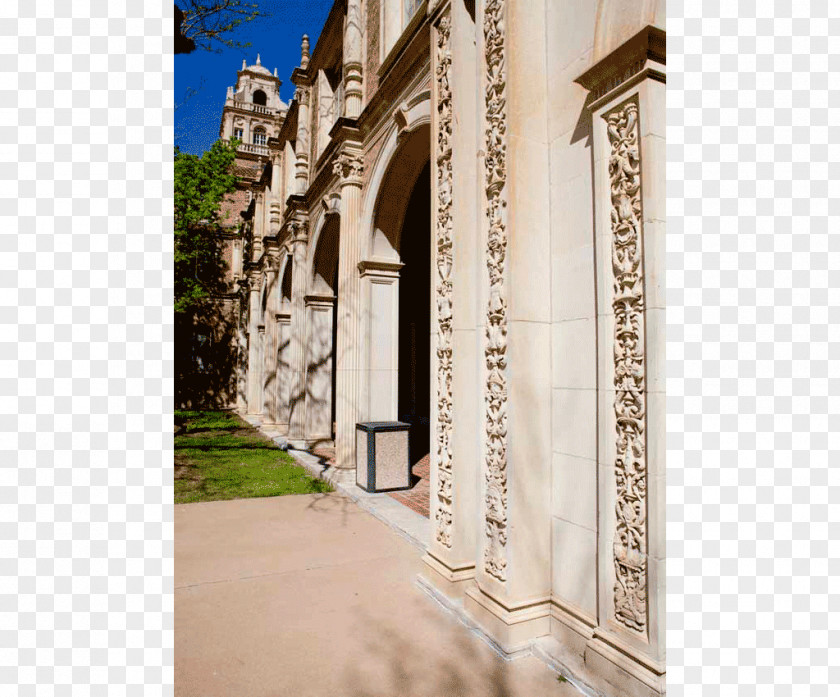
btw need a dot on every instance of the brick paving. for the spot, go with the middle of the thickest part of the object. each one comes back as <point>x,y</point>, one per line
<point>416,498</point>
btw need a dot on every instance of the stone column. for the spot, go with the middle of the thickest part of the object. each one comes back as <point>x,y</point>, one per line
<point>270,353</point>
<point>319,351</point>
<point>257,229</point>
<point>276,193</point>
<point>253,344</point>
<point>511,597</point>
<point>297,348</point>
<point>348,167</point>
<point>242,353</point>
<point>302,141</point>
<point>455,452</point>
<point>353,59</point>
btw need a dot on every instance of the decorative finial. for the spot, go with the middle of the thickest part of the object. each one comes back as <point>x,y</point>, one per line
<point>275,72</point>
<point>258,59</point>
<point>243,64</point>
<point>304,52</point>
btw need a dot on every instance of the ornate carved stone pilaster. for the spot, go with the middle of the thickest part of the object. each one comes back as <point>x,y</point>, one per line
<point>443,283</point>
<point>495,351</point>
<point>628,302</point>
<point>348,166</point>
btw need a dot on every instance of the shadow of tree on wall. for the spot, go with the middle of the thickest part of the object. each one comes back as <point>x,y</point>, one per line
<point>207,352</point>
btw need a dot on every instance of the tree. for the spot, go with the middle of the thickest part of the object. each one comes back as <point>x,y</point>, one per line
<point>200,185</point>
<point>202,23</point>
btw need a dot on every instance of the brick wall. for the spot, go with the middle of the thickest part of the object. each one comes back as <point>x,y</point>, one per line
<point>371,81</point>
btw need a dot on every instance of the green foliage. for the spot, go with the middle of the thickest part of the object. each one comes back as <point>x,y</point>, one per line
<point>205,22</point>
<point>220,457</point>
<point>200,185</point>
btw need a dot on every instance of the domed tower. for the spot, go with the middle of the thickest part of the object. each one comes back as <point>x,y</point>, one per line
<point>253,110</point>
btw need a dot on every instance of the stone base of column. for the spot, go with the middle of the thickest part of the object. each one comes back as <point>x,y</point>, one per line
<point>572,628</point>
<point>511,628</point>
<point>451,582</point>
<point>617,668</point>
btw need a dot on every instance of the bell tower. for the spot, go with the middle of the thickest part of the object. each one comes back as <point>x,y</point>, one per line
<point>253,110</point>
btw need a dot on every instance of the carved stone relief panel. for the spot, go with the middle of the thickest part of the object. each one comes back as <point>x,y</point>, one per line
<point>443,283</point>
<point>495,349</point>
<point>628,304</point>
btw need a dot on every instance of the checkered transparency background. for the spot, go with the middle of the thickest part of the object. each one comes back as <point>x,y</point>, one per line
<point>86,549</point>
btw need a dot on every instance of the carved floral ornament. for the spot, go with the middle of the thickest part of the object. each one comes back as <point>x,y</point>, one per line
<point>630,541</point>
<point>443,283</point>
<point>495,349</point>
<point>348,167</point>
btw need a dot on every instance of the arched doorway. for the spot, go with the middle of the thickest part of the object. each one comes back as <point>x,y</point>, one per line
<point>413,391</point>
<point>321,323</point>
<point>396,290</point>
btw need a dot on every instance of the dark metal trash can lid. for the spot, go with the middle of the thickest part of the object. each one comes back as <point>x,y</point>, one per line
<point>377,426</point>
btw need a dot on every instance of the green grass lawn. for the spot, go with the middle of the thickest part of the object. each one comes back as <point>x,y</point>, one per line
<point>219,456</point>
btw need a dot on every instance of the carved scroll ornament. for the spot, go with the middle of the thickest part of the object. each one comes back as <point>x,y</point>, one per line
<point>630,542</point>
<point>495,395</point>
<point>443,283</point>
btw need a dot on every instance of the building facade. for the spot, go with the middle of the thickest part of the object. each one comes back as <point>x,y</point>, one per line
<point>458,222</point>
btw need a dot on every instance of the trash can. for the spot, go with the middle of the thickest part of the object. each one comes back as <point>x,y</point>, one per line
<point>382,462</point>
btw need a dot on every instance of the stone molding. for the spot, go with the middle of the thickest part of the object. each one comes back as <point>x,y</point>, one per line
<point>443,282</point>
<point>643,55</point>
<point>495,350</point>
<point>628,303</point>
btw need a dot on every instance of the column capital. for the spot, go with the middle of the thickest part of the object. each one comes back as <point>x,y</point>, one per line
<point>302,95</point>
<point>299,231</point>
<point>349,167</point>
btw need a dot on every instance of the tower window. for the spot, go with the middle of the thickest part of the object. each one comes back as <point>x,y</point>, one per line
<point>259,136</point>
<point>259,97</point>
<point>237,133</point>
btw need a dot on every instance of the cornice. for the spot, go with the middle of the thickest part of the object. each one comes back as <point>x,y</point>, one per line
<point>642,52</point>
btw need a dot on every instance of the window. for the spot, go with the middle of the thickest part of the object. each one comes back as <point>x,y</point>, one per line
<point>411,6</point>
<point>259,97</point>
<point>259,136</point>
<point>237,133</point>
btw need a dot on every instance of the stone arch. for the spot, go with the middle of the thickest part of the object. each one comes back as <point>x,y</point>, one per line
<point>408,137</point>
<point>396,276</point>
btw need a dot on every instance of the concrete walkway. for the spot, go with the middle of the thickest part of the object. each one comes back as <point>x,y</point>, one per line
<point>311,595</point>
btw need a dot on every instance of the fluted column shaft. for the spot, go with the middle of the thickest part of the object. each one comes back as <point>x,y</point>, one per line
<point>297,348</point>
<point>353,59</point>
<point>348,166</point>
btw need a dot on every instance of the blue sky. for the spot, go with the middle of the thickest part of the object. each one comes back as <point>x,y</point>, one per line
<point>276,38</point>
